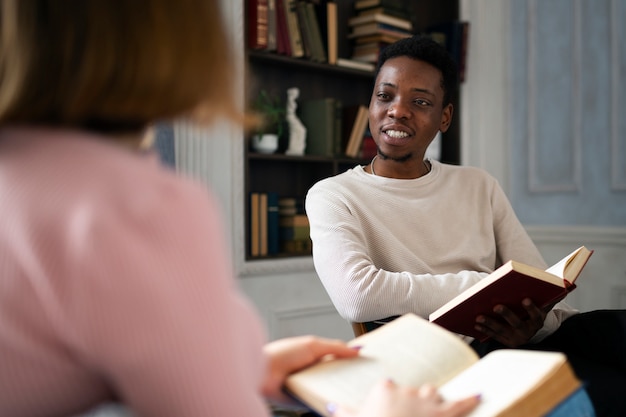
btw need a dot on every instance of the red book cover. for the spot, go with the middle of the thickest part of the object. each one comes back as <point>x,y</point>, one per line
<point>283,46</point>
<point>509,285</point>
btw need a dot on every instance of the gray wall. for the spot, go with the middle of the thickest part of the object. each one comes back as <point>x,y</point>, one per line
<point>567,125</point>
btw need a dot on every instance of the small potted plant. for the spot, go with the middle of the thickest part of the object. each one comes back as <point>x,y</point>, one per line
<point>271,128</point>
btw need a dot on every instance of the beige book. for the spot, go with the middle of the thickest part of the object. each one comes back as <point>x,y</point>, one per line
<point>412,351</point>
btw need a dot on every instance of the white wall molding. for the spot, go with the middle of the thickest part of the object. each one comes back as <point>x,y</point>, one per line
<point>578,235</point>
<point>602,283</point>
<point>303,320</point>
<point>618,140</point>
<point>571,138</point>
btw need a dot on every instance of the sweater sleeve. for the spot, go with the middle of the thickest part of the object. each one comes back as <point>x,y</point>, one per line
<point>513,242</point>
<point>359,289</point>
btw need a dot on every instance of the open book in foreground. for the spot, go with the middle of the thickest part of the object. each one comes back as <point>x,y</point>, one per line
<point>412,351</point>
<point>509,285</point>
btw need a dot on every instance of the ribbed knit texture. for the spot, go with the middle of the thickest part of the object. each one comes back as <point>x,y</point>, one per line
<point>115,285</point>
<point>385,247</point>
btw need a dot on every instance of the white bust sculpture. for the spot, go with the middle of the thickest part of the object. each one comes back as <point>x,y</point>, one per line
<point>297,131</point>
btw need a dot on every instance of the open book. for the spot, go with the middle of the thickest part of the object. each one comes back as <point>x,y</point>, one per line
<point>509,285</point>
<point>412,352</point>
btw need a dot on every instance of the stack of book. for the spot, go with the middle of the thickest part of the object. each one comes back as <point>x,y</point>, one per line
<point>376,24</point>
<point>293,227</point>
<point>296,28</point>
<point>454,35</point>
<point>264,216</point>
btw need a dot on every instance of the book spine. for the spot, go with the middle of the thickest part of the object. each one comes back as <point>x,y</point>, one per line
<point>273,239</point>
<point>319,51</point>
<point>295,38</point>
<point>263,238</point>
<point>331,32</point>
<point>254,224</point>
<point>272,29</point>
<point>258,24</point>
<point>305,30</point>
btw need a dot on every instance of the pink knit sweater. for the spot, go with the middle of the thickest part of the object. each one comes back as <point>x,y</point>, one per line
<point>115,285</point>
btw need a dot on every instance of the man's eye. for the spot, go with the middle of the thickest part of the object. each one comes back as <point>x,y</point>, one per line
<point>421,102</point>
<point>383,96</point>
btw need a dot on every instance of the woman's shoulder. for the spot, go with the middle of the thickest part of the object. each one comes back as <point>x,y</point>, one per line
<point>72,171</point>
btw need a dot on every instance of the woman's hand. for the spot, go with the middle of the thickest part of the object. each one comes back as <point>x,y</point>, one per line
<point>389,400</point>
<point>512,331</point>
<point>289,355</point>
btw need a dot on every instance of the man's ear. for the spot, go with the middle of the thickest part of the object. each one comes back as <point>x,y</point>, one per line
<point>446,117</point>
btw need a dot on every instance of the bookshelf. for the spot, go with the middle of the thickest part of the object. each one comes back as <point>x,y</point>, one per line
<point>292,176</point>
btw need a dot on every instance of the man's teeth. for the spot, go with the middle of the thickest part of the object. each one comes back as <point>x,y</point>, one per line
<point>396,134</point>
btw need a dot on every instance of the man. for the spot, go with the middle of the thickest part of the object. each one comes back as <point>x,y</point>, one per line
<point>405,234</point>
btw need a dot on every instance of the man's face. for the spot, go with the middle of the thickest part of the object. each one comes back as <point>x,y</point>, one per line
<point>406,109</point>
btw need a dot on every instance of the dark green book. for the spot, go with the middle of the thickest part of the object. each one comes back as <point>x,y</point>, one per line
<point>319,116</point>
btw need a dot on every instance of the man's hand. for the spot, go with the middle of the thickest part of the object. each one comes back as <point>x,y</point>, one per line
<point>512,331</point>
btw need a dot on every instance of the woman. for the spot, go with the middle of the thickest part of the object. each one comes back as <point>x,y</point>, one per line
<point>116,284</point>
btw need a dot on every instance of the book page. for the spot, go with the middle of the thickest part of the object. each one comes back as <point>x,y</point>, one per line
<point>409,350</point>
<point>570,267</point>
<point>505,377</point>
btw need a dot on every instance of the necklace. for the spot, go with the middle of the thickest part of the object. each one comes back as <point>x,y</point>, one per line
<point>426,165</point>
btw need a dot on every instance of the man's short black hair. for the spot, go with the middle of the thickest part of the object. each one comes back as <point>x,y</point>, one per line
<point>424,48</point>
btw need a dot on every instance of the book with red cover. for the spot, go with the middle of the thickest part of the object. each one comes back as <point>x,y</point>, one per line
<point>283,46</point>
<point>509,285</point>
<point>257,24</point>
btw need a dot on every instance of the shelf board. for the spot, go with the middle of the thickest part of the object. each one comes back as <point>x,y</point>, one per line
<point>302,158</point>
<point>286,61</point>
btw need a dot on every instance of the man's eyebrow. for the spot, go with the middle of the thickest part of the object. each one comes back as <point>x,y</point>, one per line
<point>386,84</point>
<point>415,89</point>
<point>423,90</point>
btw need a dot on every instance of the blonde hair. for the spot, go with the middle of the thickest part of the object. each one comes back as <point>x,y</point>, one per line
<point>113,65</point>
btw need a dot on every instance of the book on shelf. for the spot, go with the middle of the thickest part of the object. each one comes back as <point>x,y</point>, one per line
<point>368,148</point>
<point>378,28</point>
<point>254,224</point>
<point>397,22</point>
<point>354,64</point>
<point>320,117</point>
<point>258,24</point>
<point>413,352</point>
<point>454,35</point>
<point>371,57</point>
<point>294,220</point>
<point>509,285</point>
<point>377,38</point>
<point>359,127</point>
<point>294,232</point>
<point>401,12</point>
<point>272,32</point>
<point>273,228</point>
<point>368,52</point>
<point>332,37</point>
<point>283,45</point>
<point>367,4</point>
<point>319,47</point>
<point>297,246</point>
<point>305,30</point>
<point>288,206</point>
<point>293,28</point>
<point>263,224</point>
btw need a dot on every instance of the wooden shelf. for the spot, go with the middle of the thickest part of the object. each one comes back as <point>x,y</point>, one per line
<point>292,176</point>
